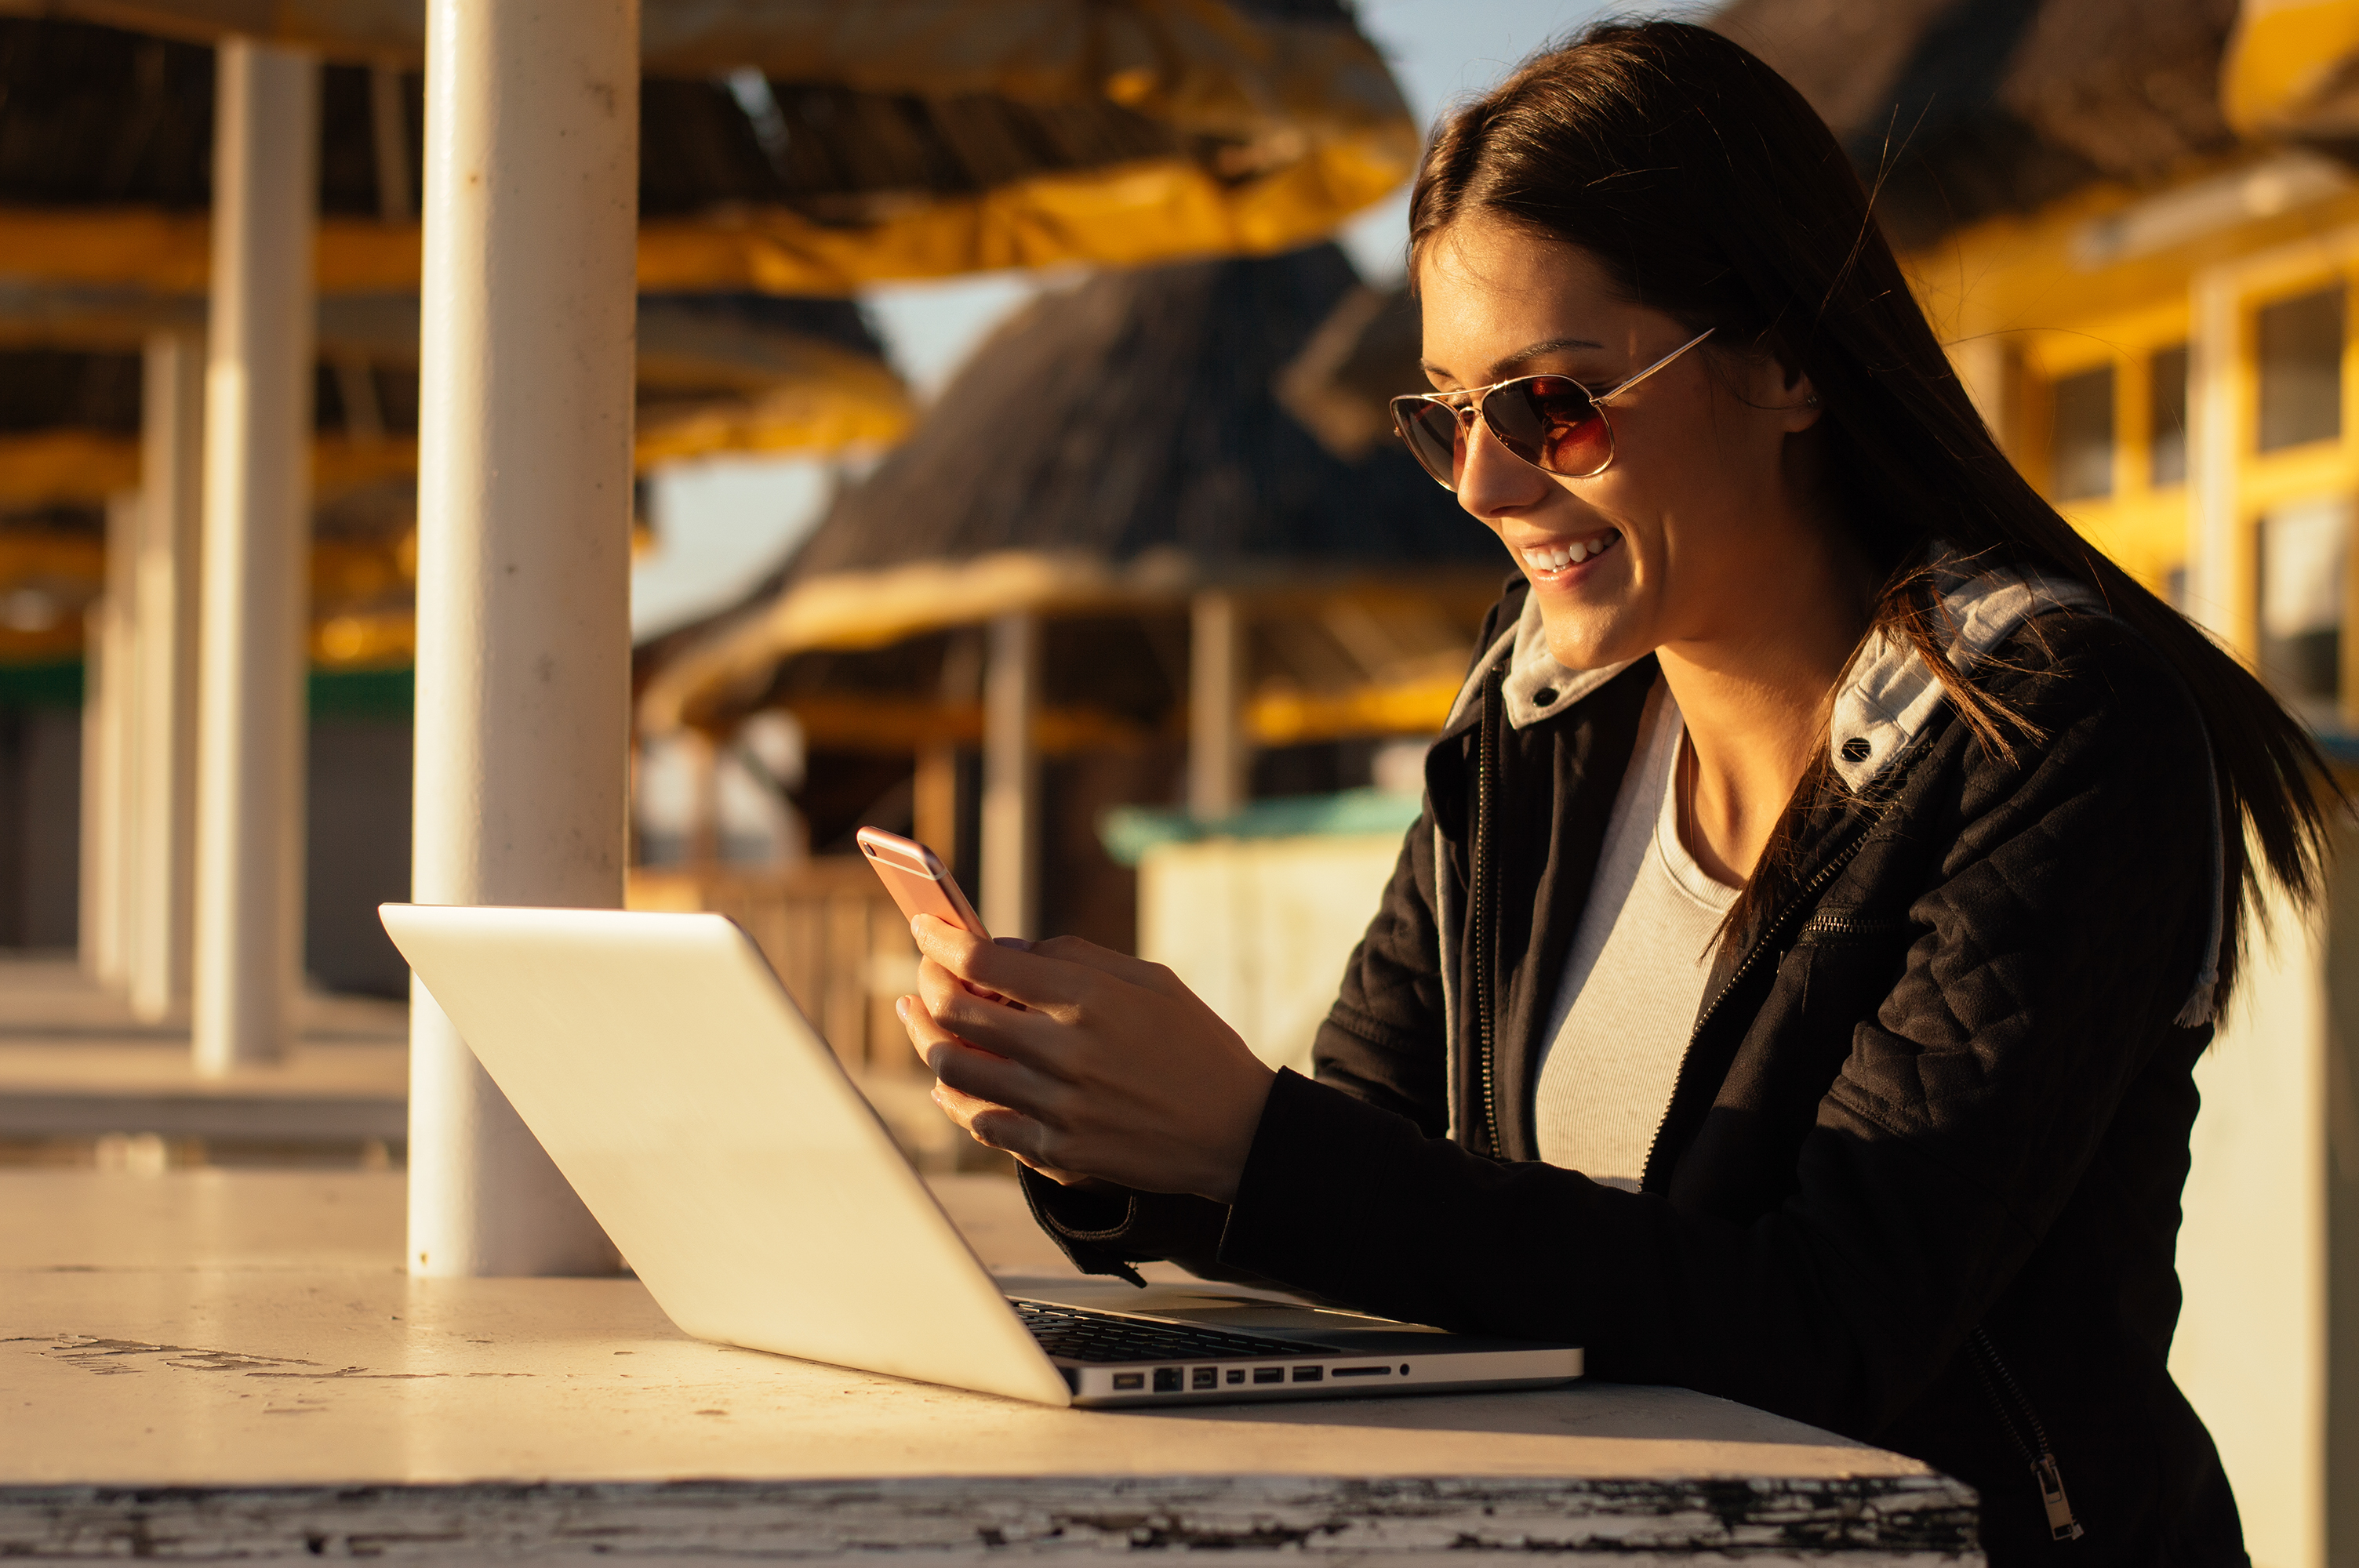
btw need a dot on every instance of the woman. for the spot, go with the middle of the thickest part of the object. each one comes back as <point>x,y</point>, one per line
<point>1826,884</point>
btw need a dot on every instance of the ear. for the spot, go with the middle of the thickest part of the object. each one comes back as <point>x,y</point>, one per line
<point>1797,401</point>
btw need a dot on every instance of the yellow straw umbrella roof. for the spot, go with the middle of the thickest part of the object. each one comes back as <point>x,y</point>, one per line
<point>2293,73</point>
<point>732,372</point>
<point>789,145</point>
<point>1114,447</point>
<point>1961,109</point>
<point>117,128</point>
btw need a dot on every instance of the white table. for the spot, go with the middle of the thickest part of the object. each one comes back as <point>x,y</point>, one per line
<point>207,1364</point>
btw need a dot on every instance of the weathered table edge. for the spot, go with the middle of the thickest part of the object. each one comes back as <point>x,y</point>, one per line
<point>1902,1519</point>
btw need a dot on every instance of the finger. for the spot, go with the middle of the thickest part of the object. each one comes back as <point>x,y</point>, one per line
<point>961,1107</point>
<point>924,1031</point>
<point>979,1075</point>
<point>1002,1027</point>
<point>1015,1132</point>
<point>999,1121</point>
<point>976,1071</point>
<point>909,1009</point>
<point>1015,973</point>
<point>930,1035</point>
<point>1012,1132</point>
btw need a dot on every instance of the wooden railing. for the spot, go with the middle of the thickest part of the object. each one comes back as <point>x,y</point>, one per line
<point>844,951</point>
<point>832,933</point>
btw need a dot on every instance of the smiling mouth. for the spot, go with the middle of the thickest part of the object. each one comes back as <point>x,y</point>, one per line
<point>1550,560</point>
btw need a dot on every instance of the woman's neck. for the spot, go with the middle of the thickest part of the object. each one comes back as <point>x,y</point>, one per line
<point>1755,708</point>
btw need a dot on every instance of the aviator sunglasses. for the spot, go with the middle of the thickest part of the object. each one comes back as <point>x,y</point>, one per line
<point>1552,422</point>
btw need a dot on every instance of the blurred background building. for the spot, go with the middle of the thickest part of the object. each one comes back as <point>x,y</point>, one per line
<point>1015,472</point>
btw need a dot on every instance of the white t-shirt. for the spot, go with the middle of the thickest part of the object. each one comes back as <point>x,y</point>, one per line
<point>1635,978</point>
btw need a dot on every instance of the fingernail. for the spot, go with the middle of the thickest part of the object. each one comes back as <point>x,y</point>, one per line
<point>901,1008</point>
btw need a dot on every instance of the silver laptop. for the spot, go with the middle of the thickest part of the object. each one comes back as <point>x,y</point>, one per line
<point>715,1136</point>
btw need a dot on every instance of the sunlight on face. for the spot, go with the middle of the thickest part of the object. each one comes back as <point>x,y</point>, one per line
<point>1688,534</point>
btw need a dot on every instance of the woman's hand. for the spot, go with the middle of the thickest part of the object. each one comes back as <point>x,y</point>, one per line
<point>1111,1069</point>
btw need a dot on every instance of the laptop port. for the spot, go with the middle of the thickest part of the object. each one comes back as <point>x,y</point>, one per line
<point>1129,1380</point>
<point>1237,1374</point>
<point>1205,1377</point>
<point>1309,1374</point>
<point>1270,1374</point>
<point>1364,1371</point>
<point>1167,1379</point>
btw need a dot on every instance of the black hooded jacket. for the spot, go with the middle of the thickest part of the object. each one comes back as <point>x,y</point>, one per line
<point>1918,1182</point>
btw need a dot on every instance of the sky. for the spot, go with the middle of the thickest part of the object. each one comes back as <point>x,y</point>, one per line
<point>723,525</point>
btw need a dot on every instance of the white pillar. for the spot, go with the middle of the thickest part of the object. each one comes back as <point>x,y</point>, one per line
<point>110,697</point>
<point>1011,778</point>
<point>163,786</point>
<point>1216,740</point>
<point>524,504</point>
<point>257,536</point>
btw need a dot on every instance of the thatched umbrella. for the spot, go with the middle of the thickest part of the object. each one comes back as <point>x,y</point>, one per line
<point>788,145</point>
<point>1952,110</point>
<point>717,373</point>
<point>1114,447</point>
<point>1965,109</point>
<point>2292,72</point>
<point>1109,539</point>
<point>115,128</point>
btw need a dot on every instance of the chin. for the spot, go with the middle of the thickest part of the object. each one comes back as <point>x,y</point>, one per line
<point>1584,643</point>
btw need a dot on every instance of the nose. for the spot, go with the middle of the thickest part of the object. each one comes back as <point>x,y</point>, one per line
<point>1493,481</point>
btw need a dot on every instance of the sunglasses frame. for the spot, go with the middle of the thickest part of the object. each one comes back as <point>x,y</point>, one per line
<point>1469,401</point>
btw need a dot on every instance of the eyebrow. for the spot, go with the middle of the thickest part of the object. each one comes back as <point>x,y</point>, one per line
<point>1525,355</point>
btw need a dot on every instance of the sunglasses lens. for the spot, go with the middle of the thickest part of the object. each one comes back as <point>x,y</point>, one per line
<point>1550,422</point>
<point>1434,436</point>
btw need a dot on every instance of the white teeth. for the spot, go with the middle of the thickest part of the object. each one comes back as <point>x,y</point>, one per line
<point>1555,557</point>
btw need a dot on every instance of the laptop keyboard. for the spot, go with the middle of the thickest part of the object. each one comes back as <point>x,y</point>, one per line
<point>1078,1335</point>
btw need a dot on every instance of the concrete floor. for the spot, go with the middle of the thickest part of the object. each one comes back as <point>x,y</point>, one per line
<point>82,1081</point>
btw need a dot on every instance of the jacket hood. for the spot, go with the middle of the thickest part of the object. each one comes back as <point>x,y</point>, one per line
<point>1887,698</point>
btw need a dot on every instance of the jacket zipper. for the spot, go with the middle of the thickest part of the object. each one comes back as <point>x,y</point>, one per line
<point>1486,893</point>
<point>1826,875</point>
<point>2000,1387</point>
<point>1847,926</point>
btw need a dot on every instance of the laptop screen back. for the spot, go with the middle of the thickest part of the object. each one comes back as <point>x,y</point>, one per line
<point>713,1134</point>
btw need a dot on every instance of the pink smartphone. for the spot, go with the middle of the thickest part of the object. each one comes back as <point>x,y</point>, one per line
<point>917,880</point>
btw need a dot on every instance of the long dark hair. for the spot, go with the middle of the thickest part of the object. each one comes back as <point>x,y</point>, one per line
<point>1709,189</point>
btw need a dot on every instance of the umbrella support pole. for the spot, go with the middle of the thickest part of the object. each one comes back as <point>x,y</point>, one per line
<point>1011,777</point>
<point>161,885</point>
<point>1216,675</point>
<point>257,532</point>
<point>108,766</point>
<point>523,502</point>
